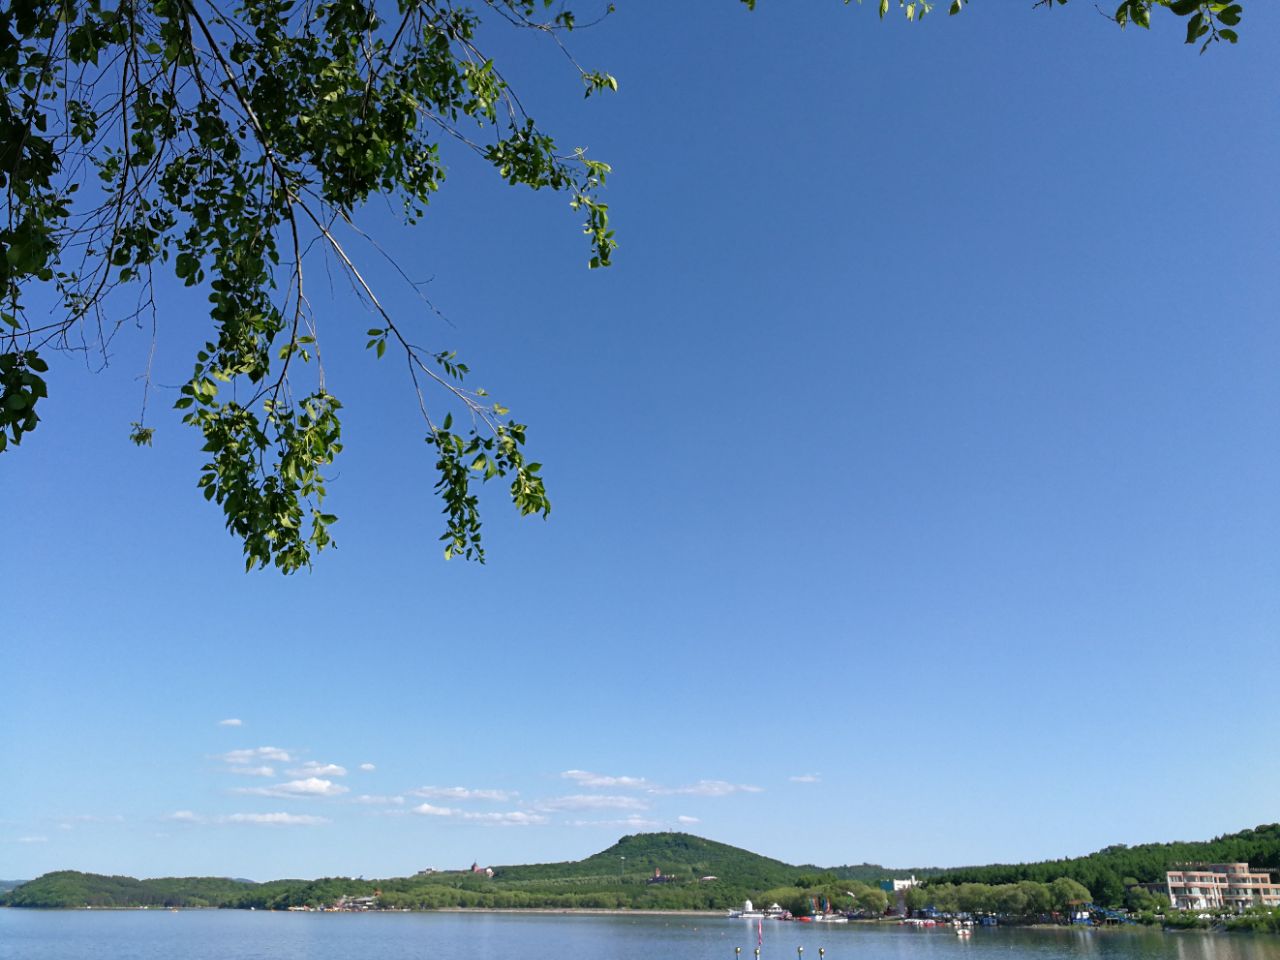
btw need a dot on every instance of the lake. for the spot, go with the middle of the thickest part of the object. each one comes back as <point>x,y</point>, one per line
<point>242,935</point>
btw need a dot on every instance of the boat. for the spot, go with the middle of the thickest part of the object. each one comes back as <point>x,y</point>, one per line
<point>748,912</point>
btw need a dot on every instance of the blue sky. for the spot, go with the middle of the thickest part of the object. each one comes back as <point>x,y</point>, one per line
<point>914,472</point>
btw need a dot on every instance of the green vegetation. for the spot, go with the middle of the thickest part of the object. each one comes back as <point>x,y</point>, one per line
<point>1026,901</point>
<point>1259,919</point>
<point>1108,873</point>
<point>220,141</point>
<point>618,877</point>
<point>699,874</point>
<point>70,888</point>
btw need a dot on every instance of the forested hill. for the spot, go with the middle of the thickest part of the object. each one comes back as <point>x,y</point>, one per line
<point>623,877</point>
<point>678,855</point>
<point>1107,872</point>
<point>71,888</point>
<point>618,877</point>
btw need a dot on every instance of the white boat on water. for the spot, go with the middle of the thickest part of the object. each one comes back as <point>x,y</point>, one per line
<point>748,912</point>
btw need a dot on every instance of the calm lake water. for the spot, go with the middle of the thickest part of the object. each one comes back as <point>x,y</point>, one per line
<point>240,935</point>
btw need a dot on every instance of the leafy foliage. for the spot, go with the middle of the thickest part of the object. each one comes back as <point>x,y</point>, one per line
<point>225,141</point>
<point>221,140</point>
<point>1211,19</point>
<point>1104,873</point>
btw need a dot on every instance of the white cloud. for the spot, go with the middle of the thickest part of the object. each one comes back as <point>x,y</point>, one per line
<point>253,755</point>
<point>710,788</point>
<point>513,818</point>
<point>69,823</point>
<point>275,819</point>
<point>263,771</point>
<point>231,722</point>
<point>368,767</point>
<point>33,839</point>
<point>703,788</point>
<point>516,818</point>
<point>593,801</point>
<point>375,800</point>
<point>263,819</point>
<point>94,818</point>
<point>462,793</point>
<point>313,768</point>
<point>310,787</point>
<point>588,779</point>
<point>629,823</point>
<point>806,778</point>
<point>687,821</point>
<point>428,810</point>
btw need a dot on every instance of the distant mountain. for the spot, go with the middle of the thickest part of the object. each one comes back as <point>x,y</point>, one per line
<point>10,884</point>
<point>624,876</point>
<point>71,888</point>
<point>677,855</point>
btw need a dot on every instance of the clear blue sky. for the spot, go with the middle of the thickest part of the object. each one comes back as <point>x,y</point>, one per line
<point>915,475</point>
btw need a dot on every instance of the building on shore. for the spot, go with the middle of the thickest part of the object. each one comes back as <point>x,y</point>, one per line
<point>1208,886</point>
<point>897,890</point>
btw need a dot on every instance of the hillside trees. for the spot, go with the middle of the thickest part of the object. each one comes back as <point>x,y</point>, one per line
<point>1108,872</point>
<point>233,144</point>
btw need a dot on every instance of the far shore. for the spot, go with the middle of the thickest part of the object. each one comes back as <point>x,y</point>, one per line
<point>625,912</point>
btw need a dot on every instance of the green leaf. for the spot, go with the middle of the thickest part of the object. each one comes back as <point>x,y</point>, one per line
<point>1193,27</point>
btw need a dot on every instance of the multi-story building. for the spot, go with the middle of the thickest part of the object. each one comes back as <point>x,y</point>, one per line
<point>897,889</point>
<point>1206,886</point>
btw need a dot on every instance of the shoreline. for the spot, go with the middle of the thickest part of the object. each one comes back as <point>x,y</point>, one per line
<point>559,911</point>
<point>624,912</point>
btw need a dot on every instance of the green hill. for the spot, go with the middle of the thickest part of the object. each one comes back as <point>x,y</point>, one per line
<point>680,856</point>
<point>70,888</point>
<point>1107,872</point>
<point>696,874</point>
<point>622,876</point>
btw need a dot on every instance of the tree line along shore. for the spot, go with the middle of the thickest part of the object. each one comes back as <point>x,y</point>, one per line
<point>680,872</point>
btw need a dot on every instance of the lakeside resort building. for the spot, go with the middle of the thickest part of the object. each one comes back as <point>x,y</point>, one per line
<point>1206,886</point>
<point>897,890</point>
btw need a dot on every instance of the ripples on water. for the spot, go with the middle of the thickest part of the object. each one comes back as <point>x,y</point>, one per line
<point>240,935</point>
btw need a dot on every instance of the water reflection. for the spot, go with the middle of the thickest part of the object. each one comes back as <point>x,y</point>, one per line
<point>237,935</point>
